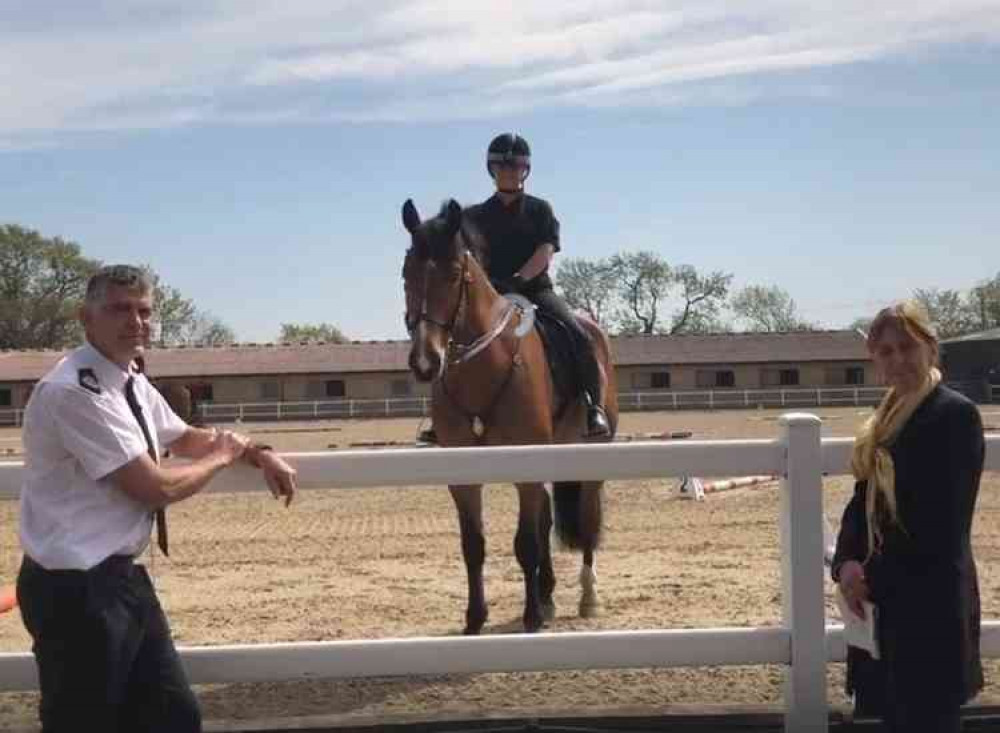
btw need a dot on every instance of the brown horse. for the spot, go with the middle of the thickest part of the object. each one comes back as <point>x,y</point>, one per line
<point>492,386</point>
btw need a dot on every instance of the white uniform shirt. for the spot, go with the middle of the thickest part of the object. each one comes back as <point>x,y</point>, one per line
<point>78,428</point>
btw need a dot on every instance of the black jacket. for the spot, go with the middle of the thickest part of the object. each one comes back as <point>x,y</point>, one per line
<point>513,232</point>
<point>924,580</point>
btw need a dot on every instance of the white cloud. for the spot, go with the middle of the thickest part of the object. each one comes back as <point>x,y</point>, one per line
<point>151,64</point>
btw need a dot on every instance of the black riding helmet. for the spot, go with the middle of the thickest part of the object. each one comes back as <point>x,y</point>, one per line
<point>506,149</point>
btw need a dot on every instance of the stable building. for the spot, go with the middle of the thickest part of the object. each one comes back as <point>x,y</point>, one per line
<point>972,363</point>
<point>378,370</point>
<point>743,361</point>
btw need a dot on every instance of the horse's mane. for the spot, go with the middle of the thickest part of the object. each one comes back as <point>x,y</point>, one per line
<point>441,248</point>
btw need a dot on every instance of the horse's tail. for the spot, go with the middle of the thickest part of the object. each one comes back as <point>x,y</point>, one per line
<point>578,514</point>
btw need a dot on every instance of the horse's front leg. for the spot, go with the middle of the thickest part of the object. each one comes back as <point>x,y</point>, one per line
<point>469,503</point>
<point>528,549</point>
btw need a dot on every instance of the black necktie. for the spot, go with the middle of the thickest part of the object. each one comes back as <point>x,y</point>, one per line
<point>133,404</point>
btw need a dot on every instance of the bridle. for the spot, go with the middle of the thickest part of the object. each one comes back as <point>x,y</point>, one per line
<point>412,321</point>
<point>461,352</point>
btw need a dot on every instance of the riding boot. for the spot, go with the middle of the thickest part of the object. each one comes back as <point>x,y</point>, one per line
<point>598,425</point>
<point>428,436</point>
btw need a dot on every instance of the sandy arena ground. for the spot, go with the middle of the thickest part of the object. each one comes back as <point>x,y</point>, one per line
<point>386,563</point>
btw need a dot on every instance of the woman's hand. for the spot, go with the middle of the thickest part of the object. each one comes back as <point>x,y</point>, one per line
<point>854,586</point>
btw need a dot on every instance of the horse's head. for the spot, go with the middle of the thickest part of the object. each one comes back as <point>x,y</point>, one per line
<point>435,280</point>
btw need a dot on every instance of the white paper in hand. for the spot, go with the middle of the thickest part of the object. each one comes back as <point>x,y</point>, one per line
<point>859,632</point>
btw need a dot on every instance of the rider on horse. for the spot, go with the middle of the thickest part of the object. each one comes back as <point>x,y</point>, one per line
<point>522,235</point>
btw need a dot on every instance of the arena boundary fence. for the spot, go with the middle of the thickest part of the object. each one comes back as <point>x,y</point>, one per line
<point>627,401</point>
<point>803,643</point>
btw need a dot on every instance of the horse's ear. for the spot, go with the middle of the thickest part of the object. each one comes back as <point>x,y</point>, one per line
<point>454,215</point>
<point>411,219</point>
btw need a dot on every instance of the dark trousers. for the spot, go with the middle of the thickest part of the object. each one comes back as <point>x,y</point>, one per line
<point>918,719</point>
<point>589,373</point>
<point>106,660</point>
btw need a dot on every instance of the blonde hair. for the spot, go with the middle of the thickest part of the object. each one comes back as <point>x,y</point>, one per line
<point>871,460</point>
<point>907,316</point>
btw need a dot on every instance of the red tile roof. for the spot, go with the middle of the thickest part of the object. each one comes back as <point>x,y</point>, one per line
<point>391,356</point>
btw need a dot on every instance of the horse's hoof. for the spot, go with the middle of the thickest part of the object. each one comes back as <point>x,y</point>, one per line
<point>533,625</point>
<point>590,609</point>
<point>473,625</point>
<point>548,611</point>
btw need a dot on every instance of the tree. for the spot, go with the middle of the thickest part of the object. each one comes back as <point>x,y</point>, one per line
<point>768,309</point>
<point>950,313</point>
<point>42,284</point>
<point>180,322</point>
<point>703,295</point>
<point>207,330</point>
<point>639,292</point>
<point>861,324</point>
<point>984,301</point>
<point>644,280</point>
<point>589,286</point>
<point>312,333</point>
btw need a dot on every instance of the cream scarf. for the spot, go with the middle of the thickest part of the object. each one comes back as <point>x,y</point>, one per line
<point>871,460</point>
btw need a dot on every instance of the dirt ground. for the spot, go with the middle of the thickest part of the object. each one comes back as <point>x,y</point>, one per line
<point>386,563</point>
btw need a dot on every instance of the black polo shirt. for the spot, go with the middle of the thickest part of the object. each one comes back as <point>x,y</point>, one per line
<point>513,233</point>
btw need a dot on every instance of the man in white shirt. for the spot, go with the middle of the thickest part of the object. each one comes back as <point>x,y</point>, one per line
<point>93,433</point>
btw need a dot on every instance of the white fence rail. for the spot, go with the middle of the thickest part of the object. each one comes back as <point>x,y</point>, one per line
<point>11,417</point>
<point>803,643</point>
<point>628,402</point>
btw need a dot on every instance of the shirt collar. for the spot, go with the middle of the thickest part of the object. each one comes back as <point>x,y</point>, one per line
<point>513,206</point>
<point>108,373</point>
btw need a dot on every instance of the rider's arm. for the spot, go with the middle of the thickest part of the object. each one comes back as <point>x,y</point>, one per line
<point>538,262</point>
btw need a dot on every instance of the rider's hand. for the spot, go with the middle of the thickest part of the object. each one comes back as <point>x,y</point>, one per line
<point>513,284</point>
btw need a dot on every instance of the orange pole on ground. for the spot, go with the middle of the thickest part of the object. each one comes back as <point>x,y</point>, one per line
<point>8,598</point>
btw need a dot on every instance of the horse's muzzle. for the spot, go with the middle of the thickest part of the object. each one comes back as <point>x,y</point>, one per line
<point>426,365</point>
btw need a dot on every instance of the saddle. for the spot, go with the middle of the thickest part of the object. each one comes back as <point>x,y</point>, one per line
<point>561,354</point>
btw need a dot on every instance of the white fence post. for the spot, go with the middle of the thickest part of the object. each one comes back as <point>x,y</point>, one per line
<point>801,524</point>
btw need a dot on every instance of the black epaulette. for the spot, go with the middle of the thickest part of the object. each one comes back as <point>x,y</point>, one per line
<point>88,380</point>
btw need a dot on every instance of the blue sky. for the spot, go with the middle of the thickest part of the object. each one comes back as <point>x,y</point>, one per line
<point>256,152</point>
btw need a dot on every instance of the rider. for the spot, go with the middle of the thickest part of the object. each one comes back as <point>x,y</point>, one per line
<point>522,234</point>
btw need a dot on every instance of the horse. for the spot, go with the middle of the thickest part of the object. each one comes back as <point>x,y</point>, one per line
<point>491,385</point>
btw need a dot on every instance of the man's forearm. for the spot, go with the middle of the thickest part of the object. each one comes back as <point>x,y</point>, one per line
<point>179,482</point>
<point>195,443</point>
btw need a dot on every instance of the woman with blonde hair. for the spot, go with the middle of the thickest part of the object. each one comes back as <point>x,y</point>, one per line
<point>904,541</point>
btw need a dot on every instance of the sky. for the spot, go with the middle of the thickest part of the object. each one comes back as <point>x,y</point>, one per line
<point>256,153</point>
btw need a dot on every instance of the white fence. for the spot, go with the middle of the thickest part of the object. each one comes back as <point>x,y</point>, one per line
<point>11,417</point>
<point>628,402</point>
<point>802,643</point>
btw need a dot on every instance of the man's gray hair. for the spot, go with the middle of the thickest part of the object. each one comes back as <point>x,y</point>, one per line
<point>126,276</point>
